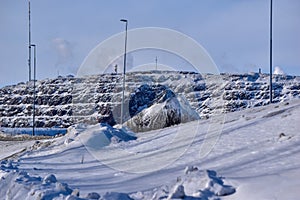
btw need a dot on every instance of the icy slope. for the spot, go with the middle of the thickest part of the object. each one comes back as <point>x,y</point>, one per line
<point>255,157</point>
<point>63,101</point>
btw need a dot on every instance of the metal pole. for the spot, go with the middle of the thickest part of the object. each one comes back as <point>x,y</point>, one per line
<point>29,42</point>
<point>156,63</point>
<point>271,71</point>
<point>34,79</point>
<point>124,71</point>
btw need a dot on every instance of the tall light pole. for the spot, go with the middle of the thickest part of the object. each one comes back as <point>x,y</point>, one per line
<point>271,15</point>
<point>124,71</point>
<point>29,42</point>
<point>34,79</point>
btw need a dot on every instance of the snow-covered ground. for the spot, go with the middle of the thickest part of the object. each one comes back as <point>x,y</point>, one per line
<point>256,156</point>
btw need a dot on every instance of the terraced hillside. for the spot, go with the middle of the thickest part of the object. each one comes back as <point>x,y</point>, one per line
<point>64,101</point>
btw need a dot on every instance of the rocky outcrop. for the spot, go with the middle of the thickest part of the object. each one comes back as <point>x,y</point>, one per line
<point>146,95</point>
<point>156,107</point>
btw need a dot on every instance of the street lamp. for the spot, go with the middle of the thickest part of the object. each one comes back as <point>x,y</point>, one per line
<point>34,79</point>
<point>29,42</point>
<point>271,89</point>
<point>124,70</point>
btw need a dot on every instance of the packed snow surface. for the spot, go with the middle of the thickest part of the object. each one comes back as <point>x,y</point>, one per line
<point>256,156</point>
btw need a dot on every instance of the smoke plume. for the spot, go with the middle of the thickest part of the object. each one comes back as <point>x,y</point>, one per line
<point>64,51</point>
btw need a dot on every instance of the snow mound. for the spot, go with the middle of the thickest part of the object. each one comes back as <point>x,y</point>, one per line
<point>159,107</point>
<point>21,185</point>
<point>201,184</point>
<point>95,137</point>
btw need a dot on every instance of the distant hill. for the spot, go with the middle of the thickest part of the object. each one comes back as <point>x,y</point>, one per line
<point>64,101</point>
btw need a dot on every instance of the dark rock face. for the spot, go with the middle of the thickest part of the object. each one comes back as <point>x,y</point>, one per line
<point>146,95</point>
<point>173,112</point>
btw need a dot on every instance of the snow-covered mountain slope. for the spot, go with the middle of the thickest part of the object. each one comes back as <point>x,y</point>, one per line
<point>255,157</point>
<point>63,101</point>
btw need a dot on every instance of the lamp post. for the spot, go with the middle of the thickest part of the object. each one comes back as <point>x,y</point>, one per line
<point>124,71</point>
<point>34,79</point>
<point>29,42</point>
<point>271,13</point>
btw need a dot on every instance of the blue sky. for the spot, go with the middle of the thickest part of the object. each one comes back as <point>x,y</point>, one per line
<point>234,32</point>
